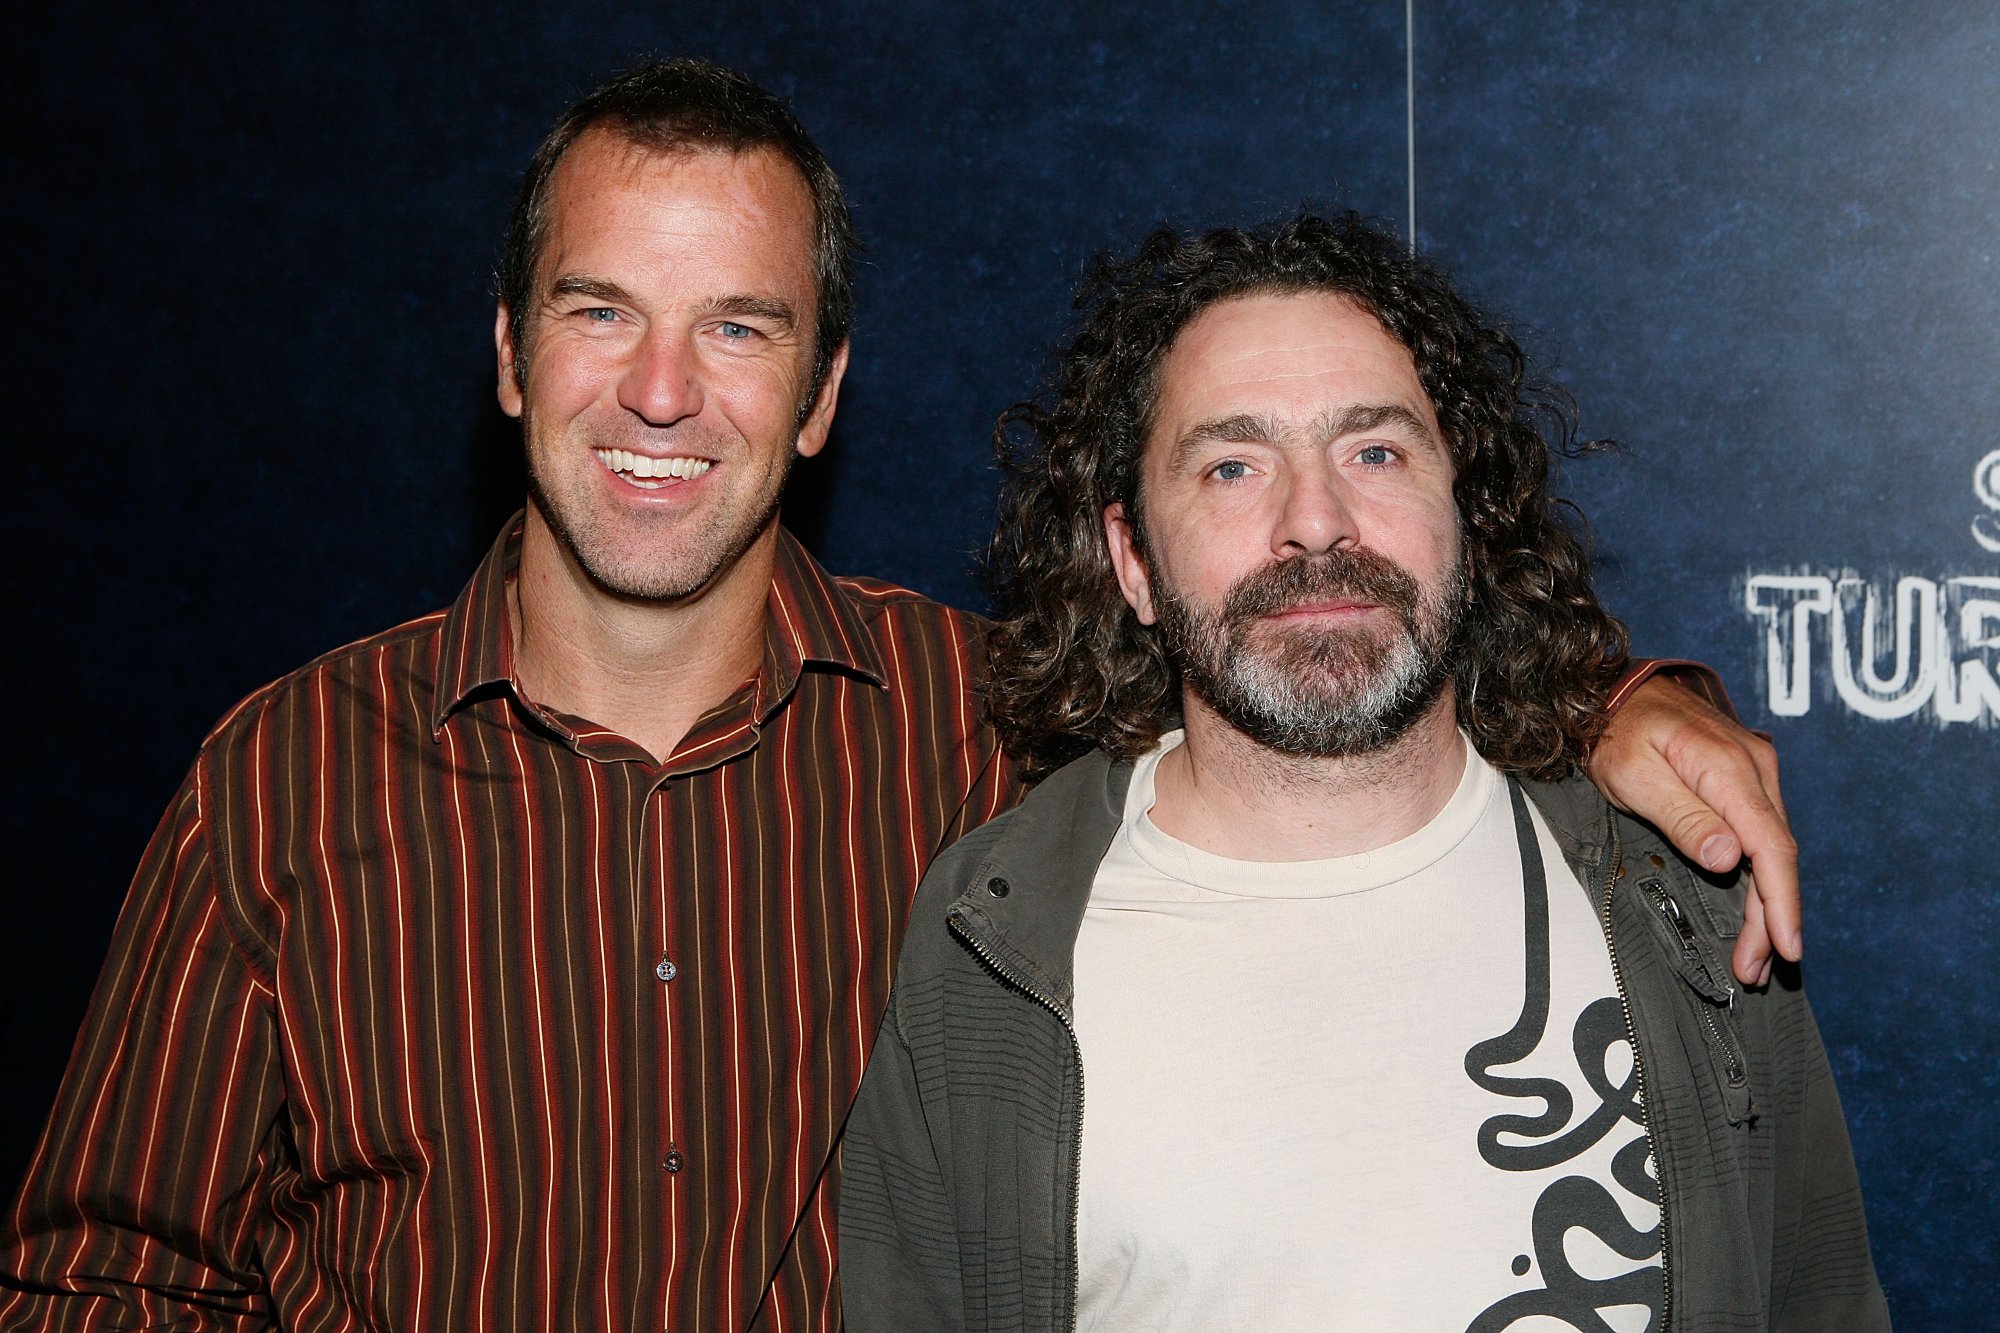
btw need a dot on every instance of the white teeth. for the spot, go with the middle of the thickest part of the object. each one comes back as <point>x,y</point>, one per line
<point>644,466</point>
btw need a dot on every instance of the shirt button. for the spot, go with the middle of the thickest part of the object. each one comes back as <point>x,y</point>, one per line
<point>666,971</point>
<point>999,887</point>
<point>673,1161</point>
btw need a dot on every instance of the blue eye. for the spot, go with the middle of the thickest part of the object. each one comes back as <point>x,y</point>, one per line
<point>600,314</point>
<point>736,331</point>
<point>1231,470</point>
<point>1375,455</point>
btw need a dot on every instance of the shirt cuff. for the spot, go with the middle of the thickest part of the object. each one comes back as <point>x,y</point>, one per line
<point>1694,676</point>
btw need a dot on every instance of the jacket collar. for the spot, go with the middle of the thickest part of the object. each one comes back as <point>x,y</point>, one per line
<point>809,621</point>
<point>1048,852</point>
<point>1579,818</point>
<point>1047,859</point>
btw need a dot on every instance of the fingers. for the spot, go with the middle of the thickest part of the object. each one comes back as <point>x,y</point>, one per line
<point>1700,832</point>
<point>1765,756</point>
<point>1712,788</point>
<point>1741,786</point>
<point>1751,960</point>
<point>1771,895</point>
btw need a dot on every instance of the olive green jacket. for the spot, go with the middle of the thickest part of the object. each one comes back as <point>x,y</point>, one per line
<point>958,1203</point>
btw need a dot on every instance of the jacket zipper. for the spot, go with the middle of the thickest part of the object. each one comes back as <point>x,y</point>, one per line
<point>1639,1081</point>
<point>1019,983</point>
<point>1732,1060</point>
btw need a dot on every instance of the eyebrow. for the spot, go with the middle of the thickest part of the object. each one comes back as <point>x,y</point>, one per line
<point>582,284</point>
<point>1373,416</point>
<point>1237,428</point>
<point>604,289</point>
<point>1246,428</point>
<point>755,307</point>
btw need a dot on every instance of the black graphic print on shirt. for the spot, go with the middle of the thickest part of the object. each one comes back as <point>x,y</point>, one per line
<point>1559,1132</point>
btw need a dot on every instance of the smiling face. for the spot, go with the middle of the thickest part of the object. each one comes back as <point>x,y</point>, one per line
<point>1300,549</point>
<point>661,388</point>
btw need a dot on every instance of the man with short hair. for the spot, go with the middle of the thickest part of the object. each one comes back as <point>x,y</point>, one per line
<point>515,968</point>
<point>1322,992</point>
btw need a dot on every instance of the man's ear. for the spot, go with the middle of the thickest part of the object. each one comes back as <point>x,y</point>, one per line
<point>1133,580</point>
<point>509,387</point>
<point>812,434</point>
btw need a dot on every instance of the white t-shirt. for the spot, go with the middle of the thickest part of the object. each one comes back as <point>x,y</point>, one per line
<point>1298,1078</point>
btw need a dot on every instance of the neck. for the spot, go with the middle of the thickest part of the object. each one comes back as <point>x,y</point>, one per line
<point>644,669</point>
<point>1229,795</point>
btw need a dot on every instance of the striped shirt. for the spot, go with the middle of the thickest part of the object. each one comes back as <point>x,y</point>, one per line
<point>431,1009</point>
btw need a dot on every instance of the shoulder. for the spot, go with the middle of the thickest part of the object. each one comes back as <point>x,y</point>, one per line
<point>888,634</point>
<point>283,768</point>
<point>928,659</point>
<point>1591,831</point>
<point>1048,847</point>
<point>893,611</point>
<point>1077,805</point>
<point>954,866</point>
<point>387,673</point>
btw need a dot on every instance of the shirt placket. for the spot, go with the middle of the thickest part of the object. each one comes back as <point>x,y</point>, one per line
<point>681,852</point>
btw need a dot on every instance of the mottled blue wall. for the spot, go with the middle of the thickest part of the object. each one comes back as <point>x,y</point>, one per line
<point>249,378</point>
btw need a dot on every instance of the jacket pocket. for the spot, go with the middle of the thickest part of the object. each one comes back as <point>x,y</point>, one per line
<point>1707,975</point>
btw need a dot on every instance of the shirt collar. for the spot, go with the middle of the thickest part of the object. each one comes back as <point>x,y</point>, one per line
<point>809,619</point>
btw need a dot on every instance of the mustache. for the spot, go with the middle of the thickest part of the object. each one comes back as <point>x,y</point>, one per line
<point>690,437</point>
<point>1355,573</point>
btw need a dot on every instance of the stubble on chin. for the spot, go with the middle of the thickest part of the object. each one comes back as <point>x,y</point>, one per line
<point>667,559</point>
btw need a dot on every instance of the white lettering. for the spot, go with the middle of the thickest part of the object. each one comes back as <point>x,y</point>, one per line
<point>1789,602</point>
<point>1928,642</point>
<point>1967,687</point>
<point>1855,654</point>
<point>1986,489</point>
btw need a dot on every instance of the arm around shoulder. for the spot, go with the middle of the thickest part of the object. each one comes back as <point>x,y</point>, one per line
<point>1671,756</point>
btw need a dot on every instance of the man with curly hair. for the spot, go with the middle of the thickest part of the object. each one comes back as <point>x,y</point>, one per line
<point>1390,1020</point>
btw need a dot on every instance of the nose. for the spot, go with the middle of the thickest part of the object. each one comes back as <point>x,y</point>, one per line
<point>1315,512</point>
<point>662,382</point>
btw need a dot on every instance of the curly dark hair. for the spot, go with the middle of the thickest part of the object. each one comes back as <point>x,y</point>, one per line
<point>1072,667</point>
<point>687,105</point>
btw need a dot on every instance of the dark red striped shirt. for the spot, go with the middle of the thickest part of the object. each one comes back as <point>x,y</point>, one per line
<point>432,1010</point>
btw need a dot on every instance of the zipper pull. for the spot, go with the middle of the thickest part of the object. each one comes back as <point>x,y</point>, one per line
<point>1700,966</point>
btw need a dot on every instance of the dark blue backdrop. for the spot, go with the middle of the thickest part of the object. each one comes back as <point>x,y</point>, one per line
<point>249,373</point>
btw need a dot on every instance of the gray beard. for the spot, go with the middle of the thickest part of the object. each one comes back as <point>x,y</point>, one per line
<point>1315,694</point>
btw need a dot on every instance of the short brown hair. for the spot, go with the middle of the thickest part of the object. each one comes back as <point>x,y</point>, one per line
<point>682,105</point>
